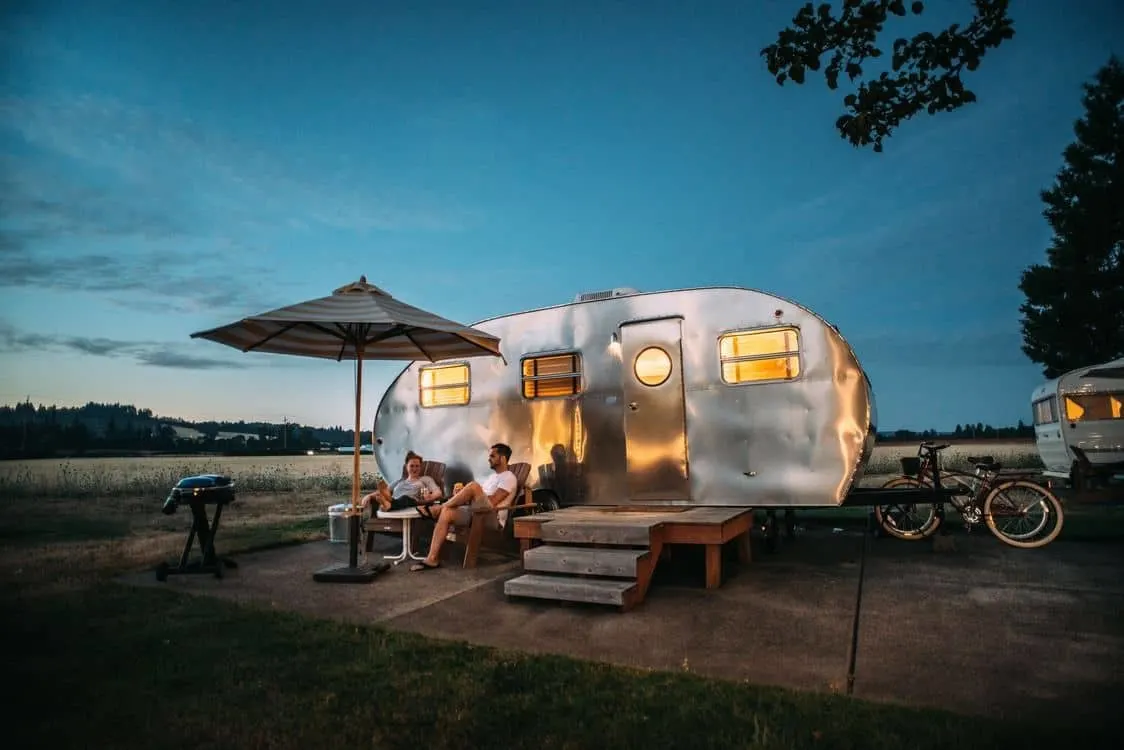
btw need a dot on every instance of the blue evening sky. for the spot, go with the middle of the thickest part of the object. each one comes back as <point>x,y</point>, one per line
<point>172,166</point>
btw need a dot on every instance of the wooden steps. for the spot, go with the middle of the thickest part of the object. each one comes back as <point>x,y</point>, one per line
<point>571,589</point>
<point>585,532</point>
<point>598,561</point>
<point>607,554</point>
<point>588,561</point>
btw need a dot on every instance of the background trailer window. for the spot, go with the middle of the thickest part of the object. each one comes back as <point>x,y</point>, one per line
<point>443,385</point>
<point>1046,410</point>
<point>760,355</point>
<point>552,375</point>
<point>1092,406</point>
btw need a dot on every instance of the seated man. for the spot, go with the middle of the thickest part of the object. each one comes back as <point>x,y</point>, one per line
<point>412,491</point>
<point>497,490</point>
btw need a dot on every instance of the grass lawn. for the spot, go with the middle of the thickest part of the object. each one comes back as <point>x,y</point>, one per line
<point>92,662</point>
<point>119,667</point>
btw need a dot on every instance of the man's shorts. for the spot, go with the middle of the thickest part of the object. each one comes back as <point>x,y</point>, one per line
<point>464,513</point>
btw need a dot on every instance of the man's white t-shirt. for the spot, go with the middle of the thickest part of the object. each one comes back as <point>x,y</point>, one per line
<point>503,480</point>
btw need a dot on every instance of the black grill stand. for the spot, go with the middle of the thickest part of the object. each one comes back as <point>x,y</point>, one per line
<point>198,497</point>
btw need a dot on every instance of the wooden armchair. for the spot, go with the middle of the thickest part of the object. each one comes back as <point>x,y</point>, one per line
<point>493,527</point>
<point>434,469</point>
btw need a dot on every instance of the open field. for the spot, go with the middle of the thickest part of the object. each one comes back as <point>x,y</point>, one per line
<point>290,681</point>
<point>1014,454</point>
<point>61,542</point>
<point>153,477</point>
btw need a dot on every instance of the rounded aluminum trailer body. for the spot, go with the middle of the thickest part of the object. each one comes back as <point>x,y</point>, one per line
<point>691,440</point>
<point>1093,421</point>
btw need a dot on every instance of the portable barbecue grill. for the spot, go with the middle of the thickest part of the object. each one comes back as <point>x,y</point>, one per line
<point>197,492</point>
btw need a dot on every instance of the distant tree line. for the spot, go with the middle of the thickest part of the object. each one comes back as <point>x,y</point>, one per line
<point>977,431</point>
<point>31,431</point>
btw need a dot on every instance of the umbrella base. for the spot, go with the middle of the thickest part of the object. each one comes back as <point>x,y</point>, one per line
<point>344,573</point>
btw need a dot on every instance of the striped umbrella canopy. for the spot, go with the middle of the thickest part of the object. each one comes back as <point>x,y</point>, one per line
<point>358,321</point>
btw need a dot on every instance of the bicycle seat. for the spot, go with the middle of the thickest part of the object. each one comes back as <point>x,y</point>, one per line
<point>985,460</point>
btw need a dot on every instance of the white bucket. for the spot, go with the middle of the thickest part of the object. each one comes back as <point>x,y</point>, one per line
<point>338,523</point>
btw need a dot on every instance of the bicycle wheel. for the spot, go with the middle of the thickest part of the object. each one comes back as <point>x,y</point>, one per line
<point>910,521</point>
<point>1019,512</point>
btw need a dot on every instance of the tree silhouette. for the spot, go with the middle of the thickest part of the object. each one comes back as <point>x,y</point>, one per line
<point>925,70</point>
<point>1074,305</point>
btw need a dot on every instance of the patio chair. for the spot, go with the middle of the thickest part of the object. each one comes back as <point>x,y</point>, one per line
<point>493,528</point>
<point>388,523</point>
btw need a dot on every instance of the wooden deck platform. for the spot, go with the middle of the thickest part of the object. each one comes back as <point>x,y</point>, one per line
<point>607,554</point>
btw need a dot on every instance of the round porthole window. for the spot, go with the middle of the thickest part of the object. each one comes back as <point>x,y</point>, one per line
<point>652,366</point>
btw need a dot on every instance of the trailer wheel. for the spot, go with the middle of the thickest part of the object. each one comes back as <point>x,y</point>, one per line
<point>772,532</point>
<point>1077,476</point>
<point>909,521</point>
<point>546,500</point>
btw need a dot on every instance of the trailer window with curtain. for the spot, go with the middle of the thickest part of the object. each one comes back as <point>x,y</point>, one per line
<point>1046,410</point>
<point>443,385</point>
<point>552,375</point>
<point>759,355</point>
<point>1093,406</point>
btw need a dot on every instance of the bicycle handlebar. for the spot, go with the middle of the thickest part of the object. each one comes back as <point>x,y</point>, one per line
<point>933,446</point>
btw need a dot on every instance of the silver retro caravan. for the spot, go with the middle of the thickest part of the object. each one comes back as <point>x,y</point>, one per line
<point>1079,424</point>
<point>719,396</point>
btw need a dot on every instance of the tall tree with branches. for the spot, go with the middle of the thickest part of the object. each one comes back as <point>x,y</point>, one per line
<point>926,71</point>
<point>1074,310</point>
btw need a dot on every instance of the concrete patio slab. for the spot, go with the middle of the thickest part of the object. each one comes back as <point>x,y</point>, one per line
<point>985,629</point>
<point>282,578</point>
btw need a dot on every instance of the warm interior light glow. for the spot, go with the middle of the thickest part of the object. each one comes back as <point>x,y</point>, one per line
<point>652,366</point>
<point>443,385</point>
<point>768,354</point>
<point>1086,407</point>
<point>552,375</point>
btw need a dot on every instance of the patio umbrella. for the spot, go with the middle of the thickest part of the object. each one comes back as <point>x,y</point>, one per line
<point>358,321</point>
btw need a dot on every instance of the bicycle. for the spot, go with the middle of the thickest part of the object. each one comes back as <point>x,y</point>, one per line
<point>984,496</point>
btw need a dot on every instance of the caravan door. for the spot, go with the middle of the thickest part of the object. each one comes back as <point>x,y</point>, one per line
<point>655,419</point>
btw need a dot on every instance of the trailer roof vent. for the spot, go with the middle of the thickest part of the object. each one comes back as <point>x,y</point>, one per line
<point>620,291</point>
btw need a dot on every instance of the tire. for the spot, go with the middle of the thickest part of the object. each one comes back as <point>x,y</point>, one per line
<point>546,499</point>
<point>1046,500</point>
<point>882,513</point>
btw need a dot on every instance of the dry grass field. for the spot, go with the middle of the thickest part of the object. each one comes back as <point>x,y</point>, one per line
<point>153,477</point>
<point>61,519</point>
<point>60,542</point>
<point>1014,454</point>
<point>68,527</point>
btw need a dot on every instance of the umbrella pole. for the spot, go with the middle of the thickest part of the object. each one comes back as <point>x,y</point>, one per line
<point>353,531</point>
<point>352,573</point>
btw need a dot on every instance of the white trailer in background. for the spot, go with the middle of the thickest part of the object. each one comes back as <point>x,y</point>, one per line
<point>1079,424</point>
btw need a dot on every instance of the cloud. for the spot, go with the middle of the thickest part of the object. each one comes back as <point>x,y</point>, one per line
<point>170,354</point>
<point>174,165</point>
<point>165,357</point>
<point>159,213</point>
<point>149,281</point>
<point>152,353</point>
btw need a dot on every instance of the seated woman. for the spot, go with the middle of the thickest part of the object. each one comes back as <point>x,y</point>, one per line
<point>412,491</point>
